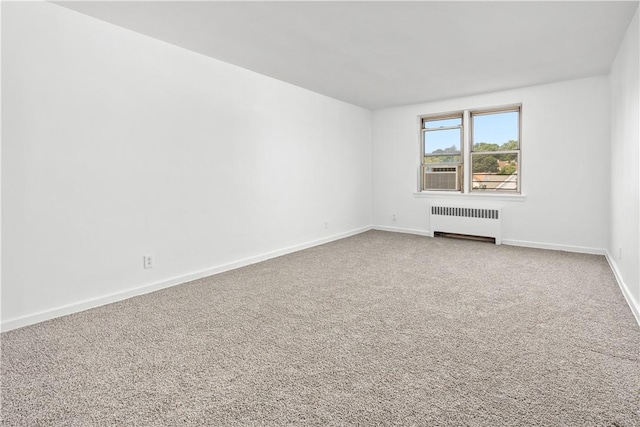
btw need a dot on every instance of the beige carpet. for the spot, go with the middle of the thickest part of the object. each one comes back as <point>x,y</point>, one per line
<point>376,329</point>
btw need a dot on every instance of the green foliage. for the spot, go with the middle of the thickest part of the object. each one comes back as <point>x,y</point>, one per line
<point>509,169</point>
<point>485,164</point>
<point>452,149</point>
<point>511,145</point>
<point>444,158</point>
<point>485,146</point>
<point>512,157</point>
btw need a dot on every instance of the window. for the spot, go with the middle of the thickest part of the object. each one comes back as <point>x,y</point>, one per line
<point>442,157</point>
<point>495,150</point>
<point>489,155</point>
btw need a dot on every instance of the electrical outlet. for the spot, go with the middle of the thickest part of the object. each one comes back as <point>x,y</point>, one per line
<point>326,225</point>
<point>148,261</point>
<point>394,217</point>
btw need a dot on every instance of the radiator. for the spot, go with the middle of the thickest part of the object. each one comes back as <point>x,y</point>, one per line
<point>468,220</point>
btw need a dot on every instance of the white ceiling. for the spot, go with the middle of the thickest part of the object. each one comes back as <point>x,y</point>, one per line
<point>381,54</point>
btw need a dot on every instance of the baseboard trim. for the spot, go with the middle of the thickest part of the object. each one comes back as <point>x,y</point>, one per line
<point>554,247</point>
<point>30,319</point>
<point>64,310</point>
<point>633,305</point>
<point>511,242</point>
<point>402,230</point>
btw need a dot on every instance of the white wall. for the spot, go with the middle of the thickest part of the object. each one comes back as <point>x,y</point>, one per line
<point>565,165</point>
<point>625,163</point>
<point>117,145</point>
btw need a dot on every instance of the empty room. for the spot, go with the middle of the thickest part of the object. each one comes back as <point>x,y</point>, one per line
<point>320,213</point>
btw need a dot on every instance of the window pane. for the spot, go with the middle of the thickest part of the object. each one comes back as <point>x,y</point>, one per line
<point>493,132</point>
<point>431,124</point>
<point>492,172</point>
<point>442,141</point>
<point>442,159</point>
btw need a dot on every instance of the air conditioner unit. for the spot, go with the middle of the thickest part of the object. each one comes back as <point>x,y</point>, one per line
<point>442,177</point>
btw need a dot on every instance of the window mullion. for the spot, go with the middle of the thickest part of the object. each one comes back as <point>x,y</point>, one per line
<point>466,149</point>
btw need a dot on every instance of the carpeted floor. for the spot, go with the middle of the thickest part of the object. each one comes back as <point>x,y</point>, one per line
<point>376,329</point>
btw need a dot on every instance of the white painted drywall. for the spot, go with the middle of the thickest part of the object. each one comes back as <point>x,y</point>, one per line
<point>565,165</point>
<point>116,145</point>
<point>625,162</point>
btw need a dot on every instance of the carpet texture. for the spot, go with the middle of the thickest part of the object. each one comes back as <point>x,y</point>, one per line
<point>375,329</point>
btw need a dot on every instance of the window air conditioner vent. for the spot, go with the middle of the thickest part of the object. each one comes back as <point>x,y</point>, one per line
<point>445,169</point>
<point>442,178</point>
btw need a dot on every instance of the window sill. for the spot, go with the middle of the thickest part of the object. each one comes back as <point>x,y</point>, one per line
<point>470,196</point>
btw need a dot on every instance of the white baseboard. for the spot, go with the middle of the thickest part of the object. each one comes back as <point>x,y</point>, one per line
<point>554,247</point>
<point>402,230</point>
<point>119,296</point>
<point>523,243</point>
<point>76,307</point>
<point>633,304</point>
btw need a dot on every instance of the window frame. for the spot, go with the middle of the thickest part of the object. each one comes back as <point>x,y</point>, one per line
<point>466,152</point>
<point>488,111</point>
<point>461,154</point>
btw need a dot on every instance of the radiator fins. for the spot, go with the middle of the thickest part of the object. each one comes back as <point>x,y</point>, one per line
<point>465,212</point>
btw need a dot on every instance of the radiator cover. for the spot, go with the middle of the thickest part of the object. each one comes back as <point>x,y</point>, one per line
<point>483,221</point>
